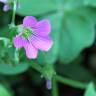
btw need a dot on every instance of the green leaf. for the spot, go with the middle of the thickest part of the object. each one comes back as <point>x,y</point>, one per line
<point>70,4</point>
<point>90,2</point>
<point>90,90</point>
<point>4,91</point>
<point>36,7</point>
<point>77,34</point>
<point>87,12</point>
<point>6,69</point>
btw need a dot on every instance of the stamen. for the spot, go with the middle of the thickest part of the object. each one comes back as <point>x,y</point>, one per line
<point>26,33</point>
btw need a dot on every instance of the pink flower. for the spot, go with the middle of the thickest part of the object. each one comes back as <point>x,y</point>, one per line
<point>34,36</point>
<point>8,5</point>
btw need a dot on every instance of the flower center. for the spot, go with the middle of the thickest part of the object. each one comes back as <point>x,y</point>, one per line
<point>26,33</point>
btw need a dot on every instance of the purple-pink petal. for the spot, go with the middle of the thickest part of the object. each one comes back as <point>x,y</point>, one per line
<point>43,28</point>
<point>4,1</point>
<point>29,21</point>
<point>31,51</point>
<point>42,43</point>
<point>6,7</point>
<point>18,41</point>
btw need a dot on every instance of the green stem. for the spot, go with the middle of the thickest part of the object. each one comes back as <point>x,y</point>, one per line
<point>70,82</point>
<point>14,13</point>
<point>36,66</point>
<point>54,88</point>
<point>73,83</point>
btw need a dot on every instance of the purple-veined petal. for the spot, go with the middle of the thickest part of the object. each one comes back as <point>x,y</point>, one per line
<point>43,28</point>
<point>42,43</point>
<point>29,21</point>
<point>31,51</point>
<point>18,41</point>
<point>4,1</point>
<point>6,8</point>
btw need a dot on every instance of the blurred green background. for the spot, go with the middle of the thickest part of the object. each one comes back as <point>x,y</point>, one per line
<point>73,53</point>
